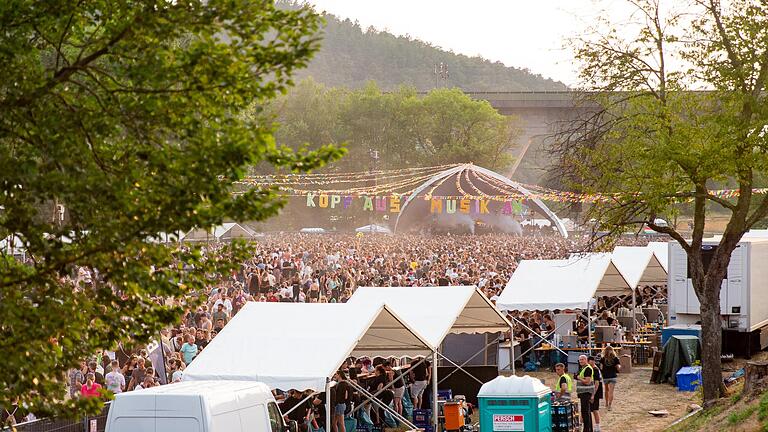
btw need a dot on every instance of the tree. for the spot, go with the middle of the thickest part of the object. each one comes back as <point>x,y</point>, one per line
<point>676,110</point>
<point>130,116</point>
<point>408,129</point>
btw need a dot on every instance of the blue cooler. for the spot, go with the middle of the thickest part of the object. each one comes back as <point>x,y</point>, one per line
<point>688,378</point>
<point>515,404</point>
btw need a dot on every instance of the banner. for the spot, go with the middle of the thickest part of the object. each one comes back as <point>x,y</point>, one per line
<point>393,204</point>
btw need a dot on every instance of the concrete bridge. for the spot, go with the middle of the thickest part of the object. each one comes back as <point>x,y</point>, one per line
<point>539,113</point>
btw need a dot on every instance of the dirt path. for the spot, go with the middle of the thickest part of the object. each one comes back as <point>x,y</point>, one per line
<point>635,396</point>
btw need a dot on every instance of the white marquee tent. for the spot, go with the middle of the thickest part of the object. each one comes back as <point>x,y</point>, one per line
<point>435,312</point>
<point>300,346</point>
<point>374,229</point>
<point>224,232</point>
<point>640,265</point>
<point>661,250</point>
<point>562,284</point>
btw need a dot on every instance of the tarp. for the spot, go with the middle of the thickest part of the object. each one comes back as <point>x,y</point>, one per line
<point>300,345</point>
<point>562,284</point>
<point>374,229</point>
<point>661,250</point>
<point>679,351</point>
<point>639,265</point>
<point>435,312</point>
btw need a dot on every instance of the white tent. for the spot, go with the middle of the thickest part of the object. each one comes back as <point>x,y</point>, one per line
<point>661,250</point>
<point>562,284</point>
<point>224,232</point>
<point>300,346</point>
<point>374,229</point>
<point>434,312</point>
<point>639,265</point>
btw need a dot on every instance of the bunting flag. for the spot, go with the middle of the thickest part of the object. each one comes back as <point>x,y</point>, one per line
<point>339,190</point>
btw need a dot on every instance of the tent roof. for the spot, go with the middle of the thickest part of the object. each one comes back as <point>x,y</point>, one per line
<point>562,284</point>
<point>374,229</point>
<point>225,231</point>
<point>639,265</point>
<point>300,346</point>
<point>435,312</point>
<point>661,250</point>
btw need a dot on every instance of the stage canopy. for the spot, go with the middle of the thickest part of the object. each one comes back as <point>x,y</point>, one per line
<point>639,265</point>
<point>562,284</point>
<point>438,201</point>
<point>301,345</point>
<point>435,312</point>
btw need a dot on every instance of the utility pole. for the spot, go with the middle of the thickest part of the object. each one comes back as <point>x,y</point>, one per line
<point>374,167</point>
<point>441,75</point>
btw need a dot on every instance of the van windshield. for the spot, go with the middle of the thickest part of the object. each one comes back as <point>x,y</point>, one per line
<point>275,420</point>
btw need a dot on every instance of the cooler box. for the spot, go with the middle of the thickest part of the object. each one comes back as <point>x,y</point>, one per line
<point>678,330</point>
<point>515,404</point>
<point>688,378</point>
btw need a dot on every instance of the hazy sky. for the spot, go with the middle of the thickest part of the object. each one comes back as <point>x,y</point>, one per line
<point>521,33</point>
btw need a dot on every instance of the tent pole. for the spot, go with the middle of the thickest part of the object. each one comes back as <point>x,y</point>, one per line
<point>328,419</point>
<point>589,328</point>
<point>512,345</point>
<point>434,390</point>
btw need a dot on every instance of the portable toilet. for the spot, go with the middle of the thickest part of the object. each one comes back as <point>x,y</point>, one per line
<point>515,404</point>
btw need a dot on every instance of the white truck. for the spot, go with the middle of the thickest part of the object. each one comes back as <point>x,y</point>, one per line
<point>198,406</point>
<point>743,295</point>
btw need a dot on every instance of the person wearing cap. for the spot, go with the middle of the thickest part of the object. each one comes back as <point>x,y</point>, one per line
<point>585,390</point>
<point>598,380</point>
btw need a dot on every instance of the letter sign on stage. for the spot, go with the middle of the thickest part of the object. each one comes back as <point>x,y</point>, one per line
<point>367,203</point>
<point>464,206</point>
<point>322,200</point>
<point>436,206</point>
<point>394,204</point>
<point>335,199</point>
<point>311,200</point>
<point>483,206</point>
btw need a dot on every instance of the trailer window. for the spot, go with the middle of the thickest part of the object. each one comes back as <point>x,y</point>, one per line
<point>275,419</point>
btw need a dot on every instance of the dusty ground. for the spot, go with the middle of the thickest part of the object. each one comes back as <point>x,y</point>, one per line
<point>635,396</point>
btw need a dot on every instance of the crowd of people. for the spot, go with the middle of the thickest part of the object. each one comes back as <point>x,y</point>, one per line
<point>321,269</point>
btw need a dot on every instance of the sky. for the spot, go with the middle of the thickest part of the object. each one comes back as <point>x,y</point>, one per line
<point>528,34</point>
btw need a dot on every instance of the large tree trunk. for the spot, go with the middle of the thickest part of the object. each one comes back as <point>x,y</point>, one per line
<point>711,342</point>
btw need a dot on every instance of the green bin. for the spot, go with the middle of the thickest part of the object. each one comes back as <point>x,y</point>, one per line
<point>515,404</point>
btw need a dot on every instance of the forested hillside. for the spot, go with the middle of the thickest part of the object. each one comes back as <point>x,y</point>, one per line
<point>351,56</point>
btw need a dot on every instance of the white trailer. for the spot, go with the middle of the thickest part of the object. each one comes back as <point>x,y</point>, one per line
<point>743,295</point>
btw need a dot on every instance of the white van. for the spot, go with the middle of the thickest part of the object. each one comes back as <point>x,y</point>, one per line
<point>198,406</point>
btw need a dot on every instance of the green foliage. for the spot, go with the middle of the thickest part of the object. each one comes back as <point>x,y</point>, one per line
<point>351,56</point>
<point>740,416</point>
<point>442,127</point>
<point>129,114</point>
<point>653,141</point>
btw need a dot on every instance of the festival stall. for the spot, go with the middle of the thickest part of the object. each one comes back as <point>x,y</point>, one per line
<point>436,312</point>
<point>569,284</point>
<point>301,345</point>
<point>373,229</point>
<point>225,232</point>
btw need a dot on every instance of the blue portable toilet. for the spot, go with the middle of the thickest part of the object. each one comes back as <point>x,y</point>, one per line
<point>515,404</point>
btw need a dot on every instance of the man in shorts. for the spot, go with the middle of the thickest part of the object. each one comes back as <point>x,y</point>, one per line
<point>420,373</point>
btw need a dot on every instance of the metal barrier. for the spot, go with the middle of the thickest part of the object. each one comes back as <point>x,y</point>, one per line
<point>97,423</point>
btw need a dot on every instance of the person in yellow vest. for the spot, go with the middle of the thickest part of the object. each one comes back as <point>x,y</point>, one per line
<point>564,384</point>
<point>585,390</point>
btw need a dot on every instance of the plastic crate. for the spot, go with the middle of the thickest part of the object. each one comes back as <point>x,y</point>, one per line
<point>422,417</point>
<point>688,378</point>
